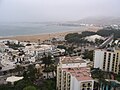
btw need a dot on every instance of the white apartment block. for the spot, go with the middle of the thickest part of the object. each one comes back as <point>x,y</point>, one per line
<point>107,60</point>
<point>73,74</point>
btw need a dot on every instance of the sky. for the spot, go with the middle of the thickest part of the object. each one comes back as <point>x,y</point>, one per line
<point>56,10</point>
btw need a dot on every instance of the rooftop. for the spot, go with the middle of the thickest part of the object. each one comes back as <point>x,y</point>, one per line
<point>39,47</point>
<point>93,37</point>
<point>13,79</point>
<point>74,59</point>
<point>81,73</point>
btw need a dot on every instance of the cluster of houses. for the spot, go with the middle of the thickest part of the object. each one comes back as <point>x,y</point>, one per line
<point>26,53</point>
<point>73,72</point>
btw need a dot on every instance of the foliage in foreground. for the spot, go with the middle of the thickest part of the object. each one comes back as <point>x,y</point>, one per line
<point>31,82</point>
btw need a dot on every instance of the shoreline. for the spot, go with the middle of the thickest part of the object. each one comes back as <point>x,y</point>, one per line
<point>36,37</point>
<point>46,36</point>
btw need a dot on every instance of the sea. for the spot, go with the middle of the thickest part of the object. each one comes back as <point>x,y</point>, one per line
<point>8,29</point>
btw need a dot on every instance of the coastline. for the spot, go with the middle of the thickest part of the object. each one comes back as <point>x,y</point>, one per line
<point>46,36</point>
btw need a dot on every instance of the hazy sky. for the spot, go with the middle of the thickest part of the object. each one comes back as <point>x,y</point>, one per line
<point>56,10</point>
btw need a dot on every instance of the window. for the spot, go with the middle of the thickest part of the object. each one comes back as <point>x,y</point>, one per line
<point>88,88</point>
<point>83,89</point>
<point>83,85</point>
<point>89,84</point>
<point>113,62</point>
<point>108,61</point>
<point>104,60</point>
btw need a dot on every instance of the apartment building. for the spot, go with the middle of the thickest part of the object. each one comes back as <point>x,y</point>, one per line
<point>107,60</point>
<point>73,74</point>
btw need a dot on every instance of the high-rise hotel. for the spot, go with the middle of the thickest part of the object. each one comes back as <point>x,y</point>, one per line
<point>107,60</point>
<point>73,74</point>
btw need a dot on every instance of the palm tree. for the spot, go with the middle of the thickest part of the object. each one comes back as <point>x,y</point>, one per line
<point>49,64</point>
<point>98,74</point>
<point>13,57</point>
<point>18,69</point>
<point>39,41</point>
<point>47,70</point>
<point>52,69</point>
<point>47,60</point>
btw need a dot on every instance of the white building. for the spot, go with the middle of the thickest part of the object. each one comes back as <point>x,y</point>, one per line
<point>6,62</point>
<point>36,49</point>
<point>107,60</point>
<point>3,47</point>
<point>39,50</point>
<point>5,41</point>
<point>73,74</point>
<point>93,37</point>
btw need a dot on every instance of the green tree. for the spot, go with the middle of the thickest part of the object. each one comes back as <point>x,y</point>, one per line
<point>49,64</point>
<point>47,60</point>
<point>88,55</point>
<point>53,69</point>
<point>31,71</point>
<point>19,69</point>
<point>98,74</point>
<point>98,41</point>
<point>49,84</point>
<point>6,87</point>
<point>118,76</point>
<point>88,33</point>
<point>47,70</point>
<point>19,85</point>
<point>30,88</point>
<point>61,47</point>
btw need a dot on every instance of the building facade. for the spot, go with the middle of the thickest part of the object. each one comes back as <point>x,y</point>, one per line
<point>107,60</point>
<point>73,74</point>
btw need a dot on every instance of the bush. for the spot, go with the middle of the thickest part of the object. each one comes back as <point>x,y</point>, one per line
<point>29,88</point>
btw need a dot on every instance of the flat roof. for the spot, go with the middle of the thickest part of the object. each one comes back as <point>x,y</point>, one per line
<point>81,73</point>
<point>13,79</point>
<point>75,59</point>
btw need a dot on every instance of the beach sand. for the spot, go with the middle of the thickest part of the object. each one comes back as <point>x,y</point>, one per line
<point>42,37</point>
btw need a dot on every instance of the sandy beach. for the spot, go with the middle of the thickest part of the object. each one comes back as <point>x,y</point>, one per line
<point>42,37</point>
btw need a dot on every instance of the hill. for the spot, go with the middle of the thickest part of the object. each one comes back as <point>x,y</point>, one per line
<point>100,20</point>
